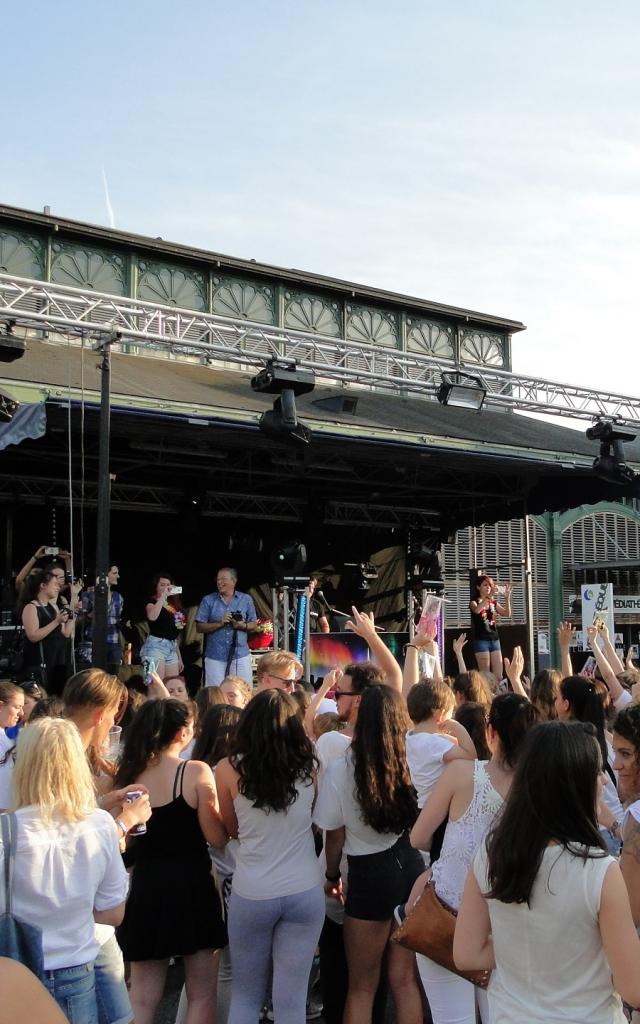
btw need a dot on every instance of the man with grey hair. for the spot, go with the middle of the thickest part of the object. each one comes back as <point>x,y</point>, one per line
<point>226,617</point>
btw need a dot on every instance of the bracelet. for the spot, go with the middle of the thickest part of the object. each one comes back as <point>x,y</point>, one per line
<point>121,825</point>
<point>333,878</point>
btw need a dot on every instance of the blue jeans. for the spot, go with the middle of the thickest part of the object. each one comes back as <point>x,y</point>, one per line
<point>73,989</point>
<point>287,929</point>
<point>112,996</point>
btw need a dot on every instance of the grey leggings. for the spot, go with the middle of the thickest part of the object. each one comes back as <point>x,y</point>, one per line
<point>287,929</point>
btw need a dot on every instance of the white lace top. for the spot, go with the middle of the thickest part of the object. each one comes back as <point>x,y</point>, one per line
<point>463,836</point>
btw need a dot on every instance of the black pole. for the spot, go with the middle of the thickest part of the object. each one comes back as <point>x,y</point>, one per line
<point>100,601</point>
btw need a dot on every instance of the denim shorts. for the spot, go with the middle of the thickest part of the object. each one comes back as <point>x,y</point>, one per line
<point>486,646</point>
<point>160,650</point>
<point>112,996</point>
<point>73,989</point>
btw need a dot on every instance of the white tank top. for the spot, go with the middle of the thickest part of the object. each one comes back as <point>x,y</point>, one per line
<point>275,855</point>
<point>463,836</point>
<point>551,967</point>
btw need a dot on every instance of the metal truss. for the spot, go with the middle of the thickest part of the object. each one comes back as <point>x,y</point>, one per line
<point>147,498</point>
<point>77,313</point>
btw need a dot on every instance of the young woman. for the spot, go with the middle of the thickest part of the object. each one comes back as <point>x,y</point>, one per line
<point>367,804</point>
<point>173,907</point>
<point>473,717</point>
<point>471,794</point>
<point>48,629</point>
<point>68,871</point>
<point>578,699</point>
<point>12,700</point>
<point>92,701</point>
<point>236,691</point>
<point>166,622</point>
<point>472,686</point>
<point>544,693</point>
<point>626,745</point>
<point>484,628</point>
<point>276,910</point>
<point>544,884</point>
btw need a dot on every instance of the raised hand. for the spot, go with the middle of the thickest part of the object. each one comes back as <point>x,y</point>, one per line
<point>362,623</point>
<point>459,643</point>
<point>514,667</point>
<point>565,634</point>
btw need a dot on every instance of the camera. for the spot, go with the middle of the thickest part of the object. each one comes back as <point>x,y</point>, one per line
<point>237,616</point>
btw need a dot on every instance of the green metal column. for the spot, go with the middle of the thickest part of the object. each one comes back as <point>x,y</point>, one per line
<point>554,563</point>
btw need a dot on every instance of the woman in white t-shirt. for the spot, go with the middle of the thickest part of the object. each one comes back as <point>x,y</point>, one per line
<point>544,906</point>
<point>367,804</point>
<point>68,871</point>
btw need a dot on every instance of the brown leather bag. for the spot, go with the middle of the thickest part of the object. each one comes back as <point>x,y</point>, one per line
<point>428,928</point>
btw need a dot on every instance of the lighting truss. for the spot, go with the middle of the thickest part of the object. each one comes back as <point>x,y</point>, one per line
<point>82,313</point>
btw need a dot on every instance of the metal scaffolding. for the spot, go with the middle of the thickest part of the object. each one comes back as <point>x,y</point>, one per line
<point>82,313</point>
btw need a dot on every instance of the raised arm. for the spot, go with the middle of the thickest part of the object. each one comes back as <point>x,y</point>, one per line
<point>411,672</point>
<point>458,645</point>
<point>330,680</point>
<point>610,652</point>
<point>613,685</point>
<point>363,625</point>
<point>514,670</point>
<point>565,634</point>
<point>505,609</point>
<point>26,569</point>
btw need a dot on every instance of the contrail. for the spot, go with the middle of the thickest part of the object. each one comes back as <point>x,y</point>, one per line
<point>112,219</point>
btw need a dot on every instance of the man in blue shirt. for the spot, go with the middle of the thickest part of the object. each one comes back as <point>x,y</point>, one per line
<point>225,617</point>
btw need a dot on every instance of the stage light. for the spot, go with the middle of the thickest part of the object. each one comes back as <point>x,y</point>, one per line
<point>11,348</point>
<point>611,464</point>
<point>289,559</point>
<point>462,390</point>
<point>8,407</point>
<point>286,381</point>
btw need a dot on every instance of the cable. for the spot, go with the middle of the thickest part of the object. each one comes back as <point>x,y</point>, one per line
<point>83,567</point>
<point>70,471</point>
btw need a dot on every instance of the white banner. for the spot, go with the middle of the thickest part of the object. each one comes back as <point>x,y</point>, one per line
<point>626,604</point>
<point>597,603</point>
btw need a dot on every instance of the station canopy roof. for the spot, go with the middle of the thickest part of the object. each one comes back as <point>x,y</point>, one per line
<point>177,426</point>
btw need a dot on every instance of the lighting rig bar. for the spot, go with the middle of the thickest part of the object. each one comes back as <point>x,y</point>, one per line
<point>81,313</point>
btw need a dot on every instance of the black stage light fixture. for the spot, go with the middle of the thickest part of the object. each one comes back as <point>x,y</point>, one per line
<point>11,348</point>
<point>8,407</point>
<point>611,464</point>
<point>289,559</point>
<point>285,380</point>
<point>462,390</point>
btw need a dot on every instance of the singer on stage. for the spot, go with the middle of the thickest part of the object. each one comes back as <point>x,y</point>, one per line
<point>225,617</point>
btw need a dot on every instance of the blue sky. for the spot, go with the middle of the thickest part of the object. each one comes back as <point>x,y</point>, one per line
<point>483,154</point>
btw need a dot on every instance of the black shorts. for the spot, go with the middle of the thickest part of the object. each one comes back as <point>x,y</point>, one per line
<point>378,882</point>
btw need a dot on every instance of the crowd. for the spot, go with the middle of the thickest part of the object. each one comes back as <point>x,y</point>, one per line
<point>464,846</point>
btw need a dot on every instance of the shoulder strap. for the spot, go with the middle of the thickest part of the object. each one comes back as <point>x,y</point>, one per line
<point>9,836</point>
<point>179,779</point>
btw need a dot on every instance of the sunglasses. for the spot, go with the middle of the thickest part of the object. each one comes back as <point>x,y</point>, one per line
<point>344,693</point>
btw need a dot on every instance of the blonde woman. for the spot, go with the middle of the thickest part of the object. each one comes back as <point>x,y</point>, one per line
<point>68,871</point>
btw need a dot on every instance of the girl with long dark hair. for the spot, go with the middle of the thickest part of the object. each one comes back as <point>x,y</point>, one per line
<point>579,700</point>
<point>166,622</point>
<point>470,794</point>
<point>626,745</point>
<point>173,907</point>
<point>48,630</point>
<point>367,804</point>
<point>544,905</point>
<point>266,789</point>
<point>484,608</point>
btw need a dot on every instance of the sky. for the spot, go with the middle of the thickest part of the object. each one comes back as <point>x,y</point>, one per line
<point>482,154</point>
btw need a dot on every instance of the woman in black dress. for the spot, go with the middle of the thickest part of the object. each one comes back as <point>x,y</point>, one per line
<point>173,907</point>
<point>48,629</point>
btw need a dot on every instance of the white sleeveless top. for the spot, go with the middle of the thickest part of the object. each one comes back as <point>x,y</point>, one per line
<point>275,855</point>
<point>550,964</point>
<point>463,837</point>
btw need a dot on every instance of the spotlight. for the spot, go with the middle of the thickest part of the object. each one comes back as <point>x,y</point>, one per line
<point>362,576</point>
<point>286,381</point>
<point>11,348</point>
<point>462,390</point>
<point>423,557</point>
<point>8,407</point>
<point>290,559</point>
<point>611,464</point>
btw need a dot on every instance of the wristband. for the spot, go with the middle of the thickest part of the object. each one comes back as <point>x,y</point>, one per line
<point>121,825</point>
<point>333,878</point>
